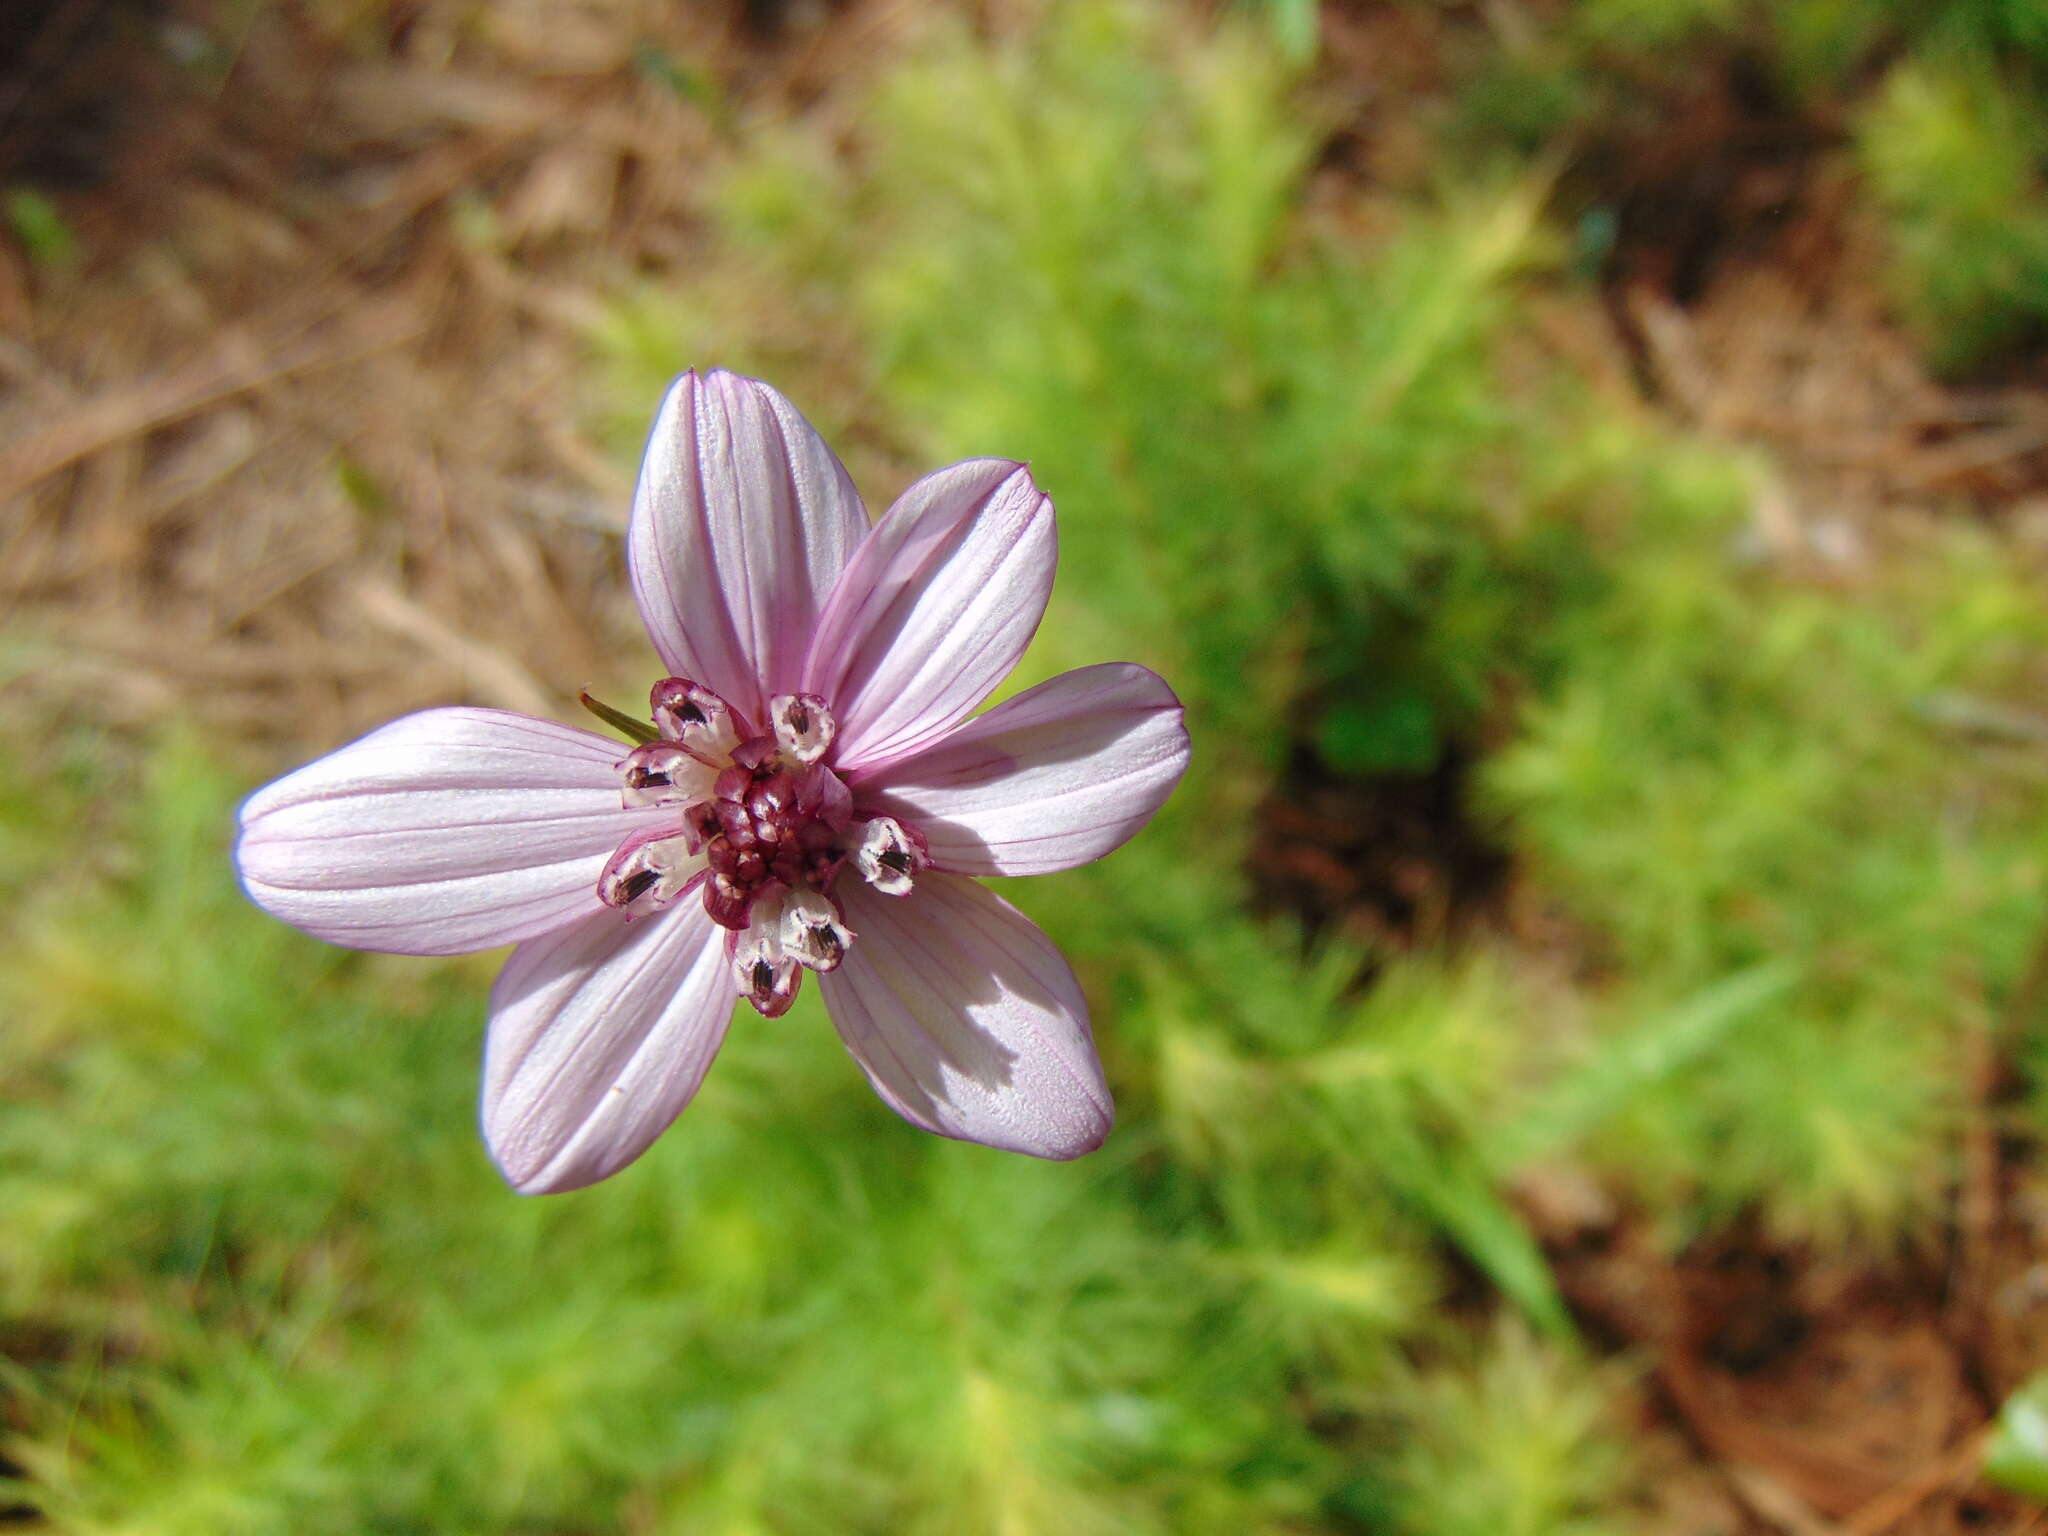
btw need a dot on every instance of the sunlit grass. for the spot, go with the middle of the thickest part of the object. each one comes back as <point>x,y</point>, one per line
<point>1954,148</point>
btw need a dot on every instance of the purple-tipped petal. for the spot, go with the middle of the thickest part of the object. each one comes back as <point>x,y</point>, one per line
<point>935,608</point>
<point>1057,776</point>
<point>599,1035</point>
<point>442,832</point>
<point>966,1019</point>
<point>742,522</point>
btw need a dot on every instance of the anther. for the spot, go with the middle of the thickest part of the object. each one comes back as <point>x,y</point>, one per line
<point>813,931</point>
<point>771,988</point>
<point>761,972</point>
<point>803,725</point>
<point>649,870</point>
<point>889,855</point>
<point>664,773</point>
<point>694,716</point>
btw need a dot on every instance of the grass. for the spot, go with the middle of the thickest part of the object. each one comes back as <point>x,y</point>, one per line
<point>1743,771</point>
<point>277,1260</point>
<point>1784,829</point>
<point>1952,148</point>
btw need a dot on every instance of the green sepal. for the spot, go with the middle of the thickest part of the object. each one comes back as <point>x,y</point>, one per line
<point>633,730</point>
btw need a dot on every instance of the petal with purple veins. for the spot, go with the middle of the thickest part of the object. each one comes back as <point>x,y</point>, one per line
<point>935,608</point>
<point>599,1036</point>
<point>742,522</point>
<point>443,832</point>
<point>967,1020</point>
<point>1059,775</point>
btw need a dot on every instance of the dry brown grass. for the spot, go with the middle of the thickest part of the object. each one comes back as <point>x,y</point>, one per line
<point>1798,355</point>
<point>305,441</point>
<point>302,442</point>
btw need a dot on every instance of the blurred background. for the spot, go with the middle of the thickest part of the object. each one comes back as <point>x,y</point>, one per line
<point>1576,1030</point>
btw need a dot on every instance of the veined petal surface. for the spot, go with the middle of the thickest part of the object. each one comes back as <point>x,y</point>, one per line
<point>967,1020</point>
<point>599,1036</point>
<point>742,521</point>
<point>1057,776</point>
<point>445,831</point>
<point>935,608</point>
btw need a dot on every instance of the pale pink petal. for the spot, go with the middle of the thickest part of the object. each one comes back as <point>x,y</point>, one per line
<point>1055,777</point>
<point>967,1020</point>
<point>935,609</point>
<point>445,831</point>
<point>742,522</point>
<point>599,1035</point>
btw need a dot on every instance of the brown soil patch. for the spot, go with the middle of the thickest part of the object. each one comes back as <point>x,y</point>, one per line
<point>1808,1394</point>
<point>1828,1398</point>
<point>1797,354</point>
<point>1746,288</point>
<point>1390,860</point>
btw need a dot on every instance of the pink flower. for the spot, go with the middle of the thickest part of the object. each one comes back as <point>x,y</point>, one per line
<point>814,797</point>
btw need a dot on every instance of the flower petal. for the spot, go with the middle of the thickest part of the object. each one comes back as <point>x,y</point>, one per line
<point>599,1035</point>
<point>742,522</point>
<point>935,608</point>
<point>967,1020</point>
<point>1057,776</point>
<point>444,831</point>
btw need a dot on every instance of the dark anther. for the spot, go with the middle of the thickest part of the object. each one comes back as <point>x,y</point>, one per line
<point>690,714</point>
<point>634,886</point>
<point>828,940</point>
<point>764,976</point>
<point>646,778</point>
<point>896,861</point>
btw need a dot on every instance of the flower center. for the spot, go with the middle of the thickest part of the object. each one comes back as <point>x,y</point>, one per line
<point>769,822</point>
<point>763,826</point>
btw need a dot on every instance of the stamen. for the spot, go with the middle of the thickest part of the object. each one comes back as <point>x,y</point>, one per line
<point>814,932</point>
<point>762,972</point>
<point>650,870</point>
<point>762,815</point>
<point>692,714</point>
<point>772,987</point>
<point>889,855</point>
<point>664,773</point>
<point>803,725</point>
